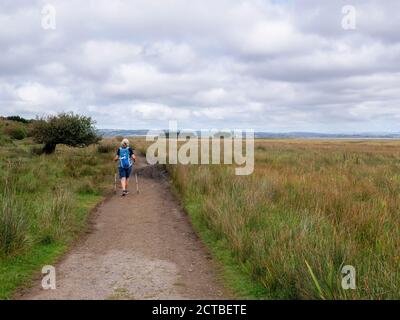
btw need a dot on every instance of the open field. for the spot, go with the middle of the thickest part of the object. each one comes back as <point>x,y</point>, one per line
<point>322,203</point>
<point>310,207</point>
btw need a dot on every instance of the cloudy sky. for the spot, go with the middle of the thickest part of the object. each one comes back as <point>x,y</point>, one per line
<point>261,64</point>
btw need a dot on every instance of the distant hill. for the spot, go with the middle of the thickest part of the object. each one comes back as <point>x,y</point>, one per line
<point>124,133</point>
<point>271,135</point>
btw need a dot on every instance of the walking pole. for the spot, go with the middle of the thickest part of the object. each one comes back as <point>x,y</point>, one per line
<point>115,183</point>
<point>137,184</point>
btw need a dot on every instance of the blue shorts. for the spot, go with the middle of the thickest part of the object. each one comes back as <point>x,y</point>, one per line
<point>125,172</point>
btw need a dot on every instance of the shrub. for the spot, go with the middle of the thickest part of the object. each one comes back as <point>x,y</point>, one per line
<point>15,132</point>
<point>66,128</point>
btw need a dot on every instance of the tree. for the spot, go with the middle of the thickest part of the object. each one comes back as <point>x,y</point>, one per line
<point>65,128</point>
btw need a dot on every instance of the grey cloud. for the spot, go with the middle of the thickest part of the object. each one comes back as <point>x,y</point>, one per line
<point>272,65</point>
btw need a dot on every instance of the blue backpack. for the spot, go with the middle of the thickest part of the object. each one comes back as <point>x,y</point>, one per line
<point>124,158</point>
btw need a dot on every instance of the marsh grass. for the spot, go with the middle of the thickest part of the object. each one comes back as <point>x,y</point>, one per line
<point>310,208</point>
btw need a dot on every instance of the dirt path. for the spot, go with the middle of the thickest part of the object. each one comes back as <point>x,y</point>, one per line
<point>140,247</point>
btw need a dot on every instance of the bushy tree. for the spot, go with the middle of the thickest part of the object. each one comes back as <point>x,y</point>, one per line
<point>15,132</point>
<point>65,128</point>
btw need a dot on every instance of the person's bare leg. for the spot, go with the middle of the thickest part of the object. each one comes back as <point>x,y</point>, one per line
<point>126,184</point>
<point>123,183</point>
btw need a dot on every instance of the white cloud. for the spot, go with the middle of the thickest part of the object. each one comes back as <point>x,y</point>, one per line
<point>37,94</point>
<point>159,112</point>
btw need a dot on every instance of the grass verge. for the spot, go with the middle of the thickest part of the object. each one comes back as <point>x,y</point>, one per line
<point>239,282</point>
<point>44,205</point>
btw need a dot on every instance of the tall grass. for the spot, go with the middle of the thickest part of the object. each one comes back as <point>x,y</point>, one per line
<point>309,209</point>
<point>44,201</point>
<point>56,222</point>
<point>14,225</point>
<point>106,147</point>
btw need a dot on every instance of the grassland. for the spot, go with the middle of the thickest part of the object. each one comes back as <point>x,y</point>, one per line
<point>309,208</point>
<point>44,203</point>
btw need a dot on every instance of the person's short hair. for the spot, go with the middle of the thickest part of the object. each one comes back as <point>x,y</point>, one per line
<point>125,141</point>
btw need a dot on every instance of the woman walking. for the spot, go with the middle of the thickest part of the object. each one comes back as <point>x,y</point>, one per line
<point>126,157</point>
